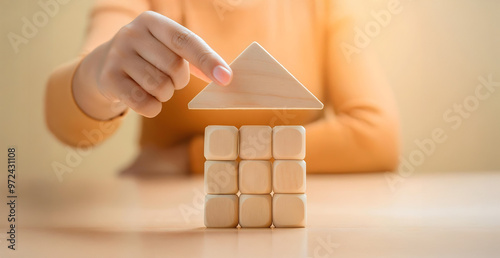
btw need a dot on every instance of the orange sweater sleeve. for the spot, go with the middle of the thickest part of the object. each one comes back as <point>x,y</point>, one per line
<point>63,116</point>
<point>360,130</point>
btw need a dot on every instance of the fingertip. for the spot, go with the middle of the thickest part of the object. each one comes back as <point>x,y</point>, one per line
<point>222,75</point>
<point>167,93</point>
<point>153,110</point>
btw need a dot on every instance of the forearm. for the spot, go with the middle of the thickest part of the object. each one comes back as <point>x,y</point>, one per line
<point>63,116</point>
<point>76,112</point>
<point>366,139</point>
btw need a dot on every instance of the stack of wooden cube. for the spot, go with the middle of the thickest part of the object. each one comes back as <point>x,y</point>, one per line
<point>255,176</point>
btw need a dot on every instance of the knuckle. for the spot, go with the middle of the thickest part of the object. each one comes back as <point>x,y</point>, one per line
<point>146,16</point>
<point>118,57</point>
<point>176,64</point>
<point>178,69</point>
<point>115,56</point>
<point>182,38</point>
<point>158,84</point>
<point>137,103</point>
<point>135,97</point>
<point>128,31</point>
<point>204,58</point>
<point>162,80</point>
<point>153,79</point>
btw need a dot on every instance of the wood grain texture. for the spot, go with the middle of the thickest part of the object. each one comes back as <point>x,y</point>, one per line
<point>221,211</point>
<point>221,142</point>
<point>289,210</point>
<point>255,177</point>
<point>259,82</point>
<point>221,177</point>
<point>289,176</point>
<point>289,142</point>
<point>255,142</point>
<point>255,210</point>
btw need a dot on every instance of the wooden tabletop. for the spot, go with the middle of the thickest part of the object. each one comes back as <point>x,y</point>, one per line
<point>349,215</point>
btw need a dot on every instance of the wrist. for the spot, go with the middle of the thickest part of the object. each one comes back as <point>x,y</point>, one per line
<point>86,92</point>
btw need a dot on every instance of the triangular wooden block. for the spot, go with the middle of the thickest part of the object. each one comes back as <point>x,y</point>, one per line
<point>259,82</point>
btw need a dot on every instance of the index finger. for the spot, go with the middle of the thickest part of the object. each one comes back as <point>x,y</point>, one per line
<point>191,47</point>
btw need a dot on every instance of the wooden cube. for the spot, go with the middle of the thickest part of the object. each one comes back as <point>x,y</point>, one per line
<point>221,177</point>
<point>255,210</point>
<point>289,142</point>
<point>221,142</point>
<point>255,177</point>
<point>221,211</point>
<point>255,142</point>
<point>289,210</point>
<point>289,176</point>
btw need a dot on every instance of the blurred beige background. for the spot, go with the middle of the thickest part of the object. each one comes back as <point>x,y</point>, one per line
<point>433,53</point>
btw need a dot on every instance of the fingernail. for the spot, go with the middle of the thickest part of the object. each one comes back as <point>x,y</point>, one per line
<point>222,75</point>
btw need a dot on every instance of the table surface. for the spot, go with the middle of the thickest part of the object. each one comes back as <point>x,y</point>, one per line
<point>349,215</point>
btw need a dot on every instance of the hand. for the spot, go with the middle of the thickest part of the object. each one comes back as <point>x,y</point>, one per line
<point>142,65</point>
